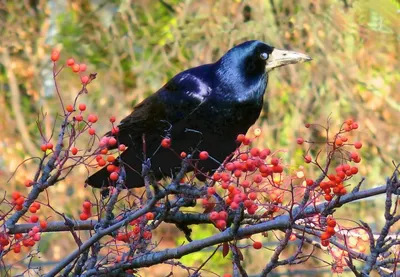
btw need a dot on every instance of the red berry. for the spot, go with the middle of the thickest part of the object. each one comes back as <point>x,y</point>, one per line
<point>69,108</point>
<point>43,224</point>
<point>55,55</point>
<point>354,170</point>
<point>307,125</point>
<point>92,118</point>
<point>114,176</point>
<point>82,107</point>
<point>112,142</point>
<point>264,153</point>
<point>257,245</point>
<point>223,215</point>
<point>49,146</point>
<point>75,67</point>
<point>358,145</point>
<point>122,147</point>
<point>258,179</point>
<point>309,182</point>
<point>240,138</point>
<point>32,209</point>
<point>149,216</point>
<point>86,205</point>
<point>214,216</point>
<point>255,152</point>
<point>252,196</point>
<point>15,195</point>
<point>166,143</point>
<point>84,79</point>
<point>74,150</point>
<point>43,147</point>
<point>183,155</point>
<point>307,159</point>
<point>112,119</point>
<point>210,190</point>
<point>20,201</point>
<point>300,140</point>
<point>325,243</point>
<point>34,218</point>
<point>83,216</point>
<point>354,125</point>
<point>221,224</point>
<point>92,131</point>
<point>28,183</point>
<point>203,155</point>
<point>274,161</point>
<point>82,67</point>
<point>79,117</point>
<point>237,173</point>
<point>70,62</point>
<point>101,162</point>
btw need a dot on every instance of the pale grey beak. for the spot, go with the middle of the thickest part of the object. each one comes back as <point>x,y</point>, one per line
<point>283,57</point>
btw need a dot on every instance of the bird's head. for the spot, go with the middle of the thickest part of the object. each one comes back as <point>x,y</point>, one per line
<point>256,57</point>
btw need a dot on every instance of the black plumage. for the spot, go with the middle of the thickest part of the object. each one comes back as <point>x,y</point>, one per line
<point>202,108</point>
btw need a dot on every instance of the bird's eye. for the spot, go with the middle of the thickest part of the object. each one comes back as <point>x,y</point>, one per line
<point>264,56</point>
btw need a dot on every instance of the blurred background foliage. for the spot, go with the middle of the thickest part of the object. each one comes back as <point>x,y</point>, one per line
<point>136,46</point>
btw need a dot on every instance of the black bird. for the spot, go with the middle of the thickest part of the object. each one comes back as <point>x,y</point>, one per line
<point>203,108</point>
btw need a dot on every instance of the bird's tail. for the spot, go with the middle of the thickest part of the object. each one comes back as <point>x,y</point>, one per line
<point>133,169</point>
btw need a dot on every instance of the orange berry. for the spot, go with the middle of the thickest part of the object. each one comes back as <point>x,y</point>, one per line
<point>110,158</point>
<point>330,230</point>
<point>149,216</point>
<point>92,131</point>
<point>325,236</point>
<point>92,118</point>
<point>43,147</point>
<point>75,67</point>
<point>339,142</point>
<point>69,108</point>
<point>111,168</point>
<point>32,209</point>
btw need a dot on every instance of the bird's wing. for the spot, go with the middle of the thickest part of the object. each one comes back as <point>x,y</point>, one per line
<point>174,102</point>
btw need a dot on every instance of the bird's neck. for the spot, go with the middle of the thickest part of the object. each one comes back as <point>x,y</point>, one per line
<point>236,86</point>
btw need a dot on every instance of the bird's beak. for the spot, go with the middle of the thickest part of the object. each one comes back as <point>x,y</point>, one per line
<point>283,57</point>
